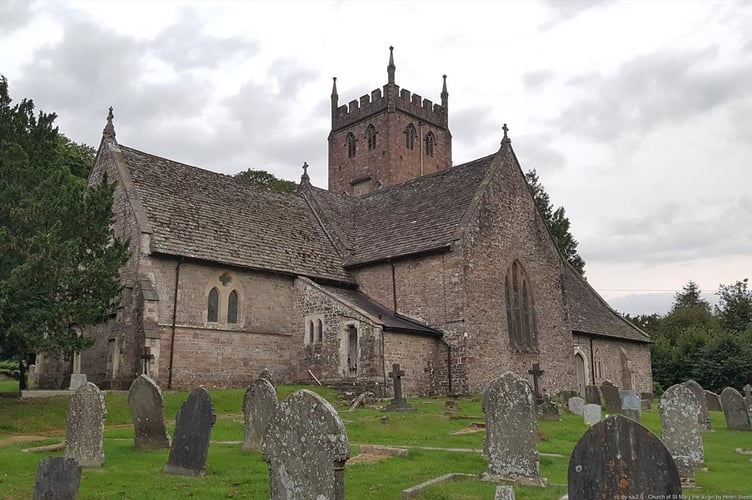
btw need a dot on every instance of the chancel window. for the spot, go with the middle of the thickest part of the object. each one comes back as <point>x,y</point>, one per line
<point>410,136</point>
<point>350,142</point>
<point>371,137</point>
<point>213,310</point>
<point>430,142</point>
<point>232,307</point>
<point>519,302</point>
<point>319,331</point>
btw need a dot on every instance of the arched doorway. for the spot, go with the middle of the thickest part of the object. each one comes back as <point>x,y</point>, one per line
<point>579,370</point>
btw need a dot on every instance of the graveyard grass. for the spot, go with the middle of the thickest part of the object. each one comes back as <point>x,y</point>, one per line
<point>438,440</point>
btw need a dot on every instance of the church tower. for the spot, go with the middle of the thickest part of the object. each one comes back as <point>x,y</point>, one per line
<point>387,138</point>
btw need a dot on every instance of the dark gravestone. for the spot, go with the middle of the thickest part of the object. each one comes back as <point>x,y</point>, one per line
<point>619,458</point>
<point>267,375</point>
<point>398,403</point>
<point>58,478</point>
<point>84,435</point>
<point>549,410</point>
<point>259,407</point>
<point>712,401</point>
<point>147,407</point>
<point>646,399</point>
<point>536,372</point>
<point>735,410</point>
<point>703,417</point>
<point>592,395</point>
<point>190,444</point>
<point>611,399</point>
<point>680,431</point>
<point>306,447</point>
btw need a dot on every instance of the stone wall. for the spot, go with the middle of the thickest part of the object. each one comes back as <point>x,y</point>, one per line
<point>605,360</point>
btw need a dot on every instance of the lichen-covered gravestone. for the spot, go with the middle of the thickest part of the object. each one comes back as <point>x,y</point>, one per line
<point>259,407</point>
<point>576,405</point>
<point>591,414</point>
<point>680,431</point>
<point>703,418</point>
<point>712,401</point>
<point>147,407</point>
<point>306,447</point>
<point>511,432</point>
<point>592,395</point>
<point>190,444</point>
<point>84,435</point>
<point>735,410</point>
<point>611,399</point>
<point>630,407</point>
<point>619,458</point>
<point>267,374</point>
<point>57,478</point>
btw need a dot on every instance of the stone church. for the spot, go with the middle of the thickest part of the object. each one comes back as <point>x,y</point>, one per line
<point>447,270</point>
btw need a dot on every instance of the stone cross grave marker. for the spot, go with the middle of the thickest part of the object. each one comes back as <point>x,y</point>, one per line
<point>511,432</point>
<point>703,417</point>
<point>611,399</point>
<point>398,403</point>
<point>592,395</point>
<point>619,458</point>
<point>712,401</point>
<point>190,444</point>
<point>147,407</point>
<point>260,404</point>
<point>306,447</point>
<point>84,435</point>
<point>536,372</point>
<point>58,478</point>
<point>591,414</point>
<point>680,431</point>
<point>735,410</point>
<point>576,405</point>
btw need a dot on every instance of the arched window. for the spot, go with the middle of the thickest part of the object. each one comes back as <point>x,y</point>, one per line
<point>599,375</point>
<point>520,314</point>
<point>350,142</point>
<point>410,135</point>
<point>213,312</point>
<point>310,331</point>
<point>232,307</point>
<point>430,141</point>
<point>371,137</point>
<point>319,331</point>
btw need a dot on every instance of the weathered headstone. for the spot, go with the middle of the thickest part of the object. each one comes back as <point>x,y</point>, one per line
<point>630,407</point>
<point>703,418</point>
<point>610,395</point>
<point>592,395</point>
<point>735,410</point>
<point>84,435</point>
<point>549,410</point>
<point>147,407</point>
<point>259,407</point>
<point>712,401</point>
<point>680,431</point>
<point>619,458</point>
<point>190,444</point>
<point>399,403</point>
<point>266,373</point>
<point>646,399</point>
<point>511,432</point>
<point>306,447</point>
<point>57,478</point>
<point>576,405</point>
<point>591,414</point>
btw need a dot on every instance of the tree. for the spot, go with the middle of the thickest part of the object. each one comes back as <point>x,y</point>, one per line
<point>557,222</point>
<point>734,309</point>
<point>59,260</point>
<point>690,296</point>
<point>267,180</point>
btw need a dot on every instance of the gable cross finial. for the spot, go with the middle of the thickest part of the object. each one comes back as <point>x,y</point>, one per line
<point>305,177</point>
<point>506,135</point>
<point>109,129</point>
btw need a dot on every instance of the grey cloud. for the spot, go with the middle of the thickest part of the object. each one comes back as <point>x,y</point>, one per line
<point>534,152</point>
<point>536,79</point>
<point>471,126</point>
<point>565,10</point>
<point>14,15</point>
<point>291,76</point>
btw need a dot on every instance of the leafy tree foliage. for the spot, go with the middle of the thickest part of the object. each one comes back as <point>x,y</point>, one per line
<point>734,307</point>
<point>267,180</point>
<point>59,261</point>
<point>557,222</point>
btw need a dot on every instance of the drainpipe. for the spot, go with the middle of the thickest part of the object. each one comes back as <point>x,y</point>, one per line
<point>449,363</point>
<point>174,320</point>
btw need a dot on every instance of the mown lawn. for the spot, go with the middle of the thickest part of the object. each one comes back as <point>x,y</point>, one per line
<point>437,440</point>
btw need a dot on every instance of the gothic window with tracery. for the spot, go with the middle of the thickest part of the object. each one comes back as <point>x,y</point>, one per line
<point>410,136</point>
<point>519,302</point>
<point>213,310</point>
<point>430,141</point>
<point>371,137</point>
<point>350,141</point>
<point>232,307</point>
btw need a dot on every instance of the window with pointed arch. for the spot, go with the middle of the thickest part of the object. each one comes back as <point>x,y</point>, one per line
<point>232,307</point>
<point>520,313</point>
<point>212,313</point>
<point>350,142</point>
<point>371,137</point>
<point>410,136</point>
<point>430,142</point>
<point>319,331</point>
<point>599,374</point>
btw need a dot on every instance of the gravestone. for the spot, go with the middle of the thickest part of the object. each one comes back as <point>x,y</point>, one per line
<point>398,403</point>
<point>680,431</point>
<point>511,432</point>
<point>84,435</point>
<point>703,418</point>
<point>630,407</point>
<point>190,444</point>
<point>504,492</point>
<point>748,397</point>
<point>712,401</point>
<point>147,407</point>
<point>576,405</point>
<point>591,414</point>
<point>646,398</point>
<point>610,395</point>
<point>735,410</point>
<point>306,447</point>
<point>592,395</point>
<point>619,458</point>
<point>259,407</point>
<point>57,478</point>
<point>549,410</point>
<point>266,374</point>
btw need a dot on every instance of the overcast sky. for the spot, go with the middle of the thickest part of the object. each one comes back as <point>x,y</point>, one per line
<point>636,115</point>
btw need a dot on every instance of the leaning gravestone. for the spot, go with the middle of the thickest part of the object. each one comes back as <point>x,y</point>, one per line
<point>611,399</point>
<point>680,431</point>
<point>735,410</point>
<point>267,374</point>
<point>84,435</point>
<point>703,418</point>
<point>57,478</point>
<point>190,444</point>
<point>712,401</point>
<point>259,407</point>
<point>591,414</point>
<point>576,405</point>
<point>630,407</point>
<point>592,395</point>
<point>306,447</point>
<point>147,407</point>
<point>511,432</point>
<point>619,458</point>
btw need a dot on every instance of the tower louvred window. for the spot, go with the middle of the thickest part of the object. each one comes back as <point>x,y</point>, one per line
<point>350,142</point>
<point>371,137</point>
<point>410,136</point>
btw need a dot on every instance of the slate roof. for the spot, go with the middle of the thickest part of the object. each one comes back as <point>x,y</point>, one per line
<point>589,313</point>
<point>205,215</point>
